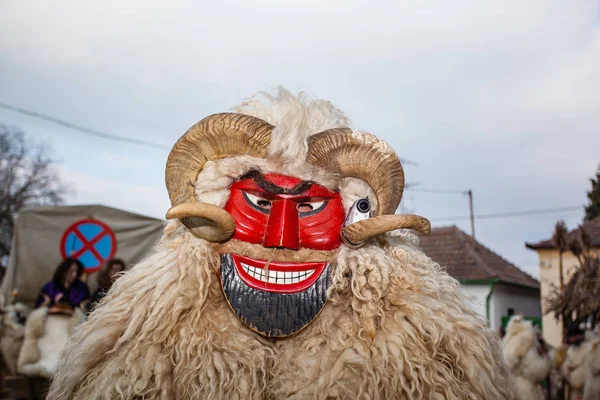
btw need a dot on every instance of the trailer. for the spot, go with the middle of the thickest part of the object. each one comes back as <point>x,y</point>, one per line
<point>42,238</point>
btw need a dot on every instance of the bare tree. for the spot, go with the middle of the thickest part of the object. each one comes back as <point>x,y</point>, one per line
<point>27,178</point>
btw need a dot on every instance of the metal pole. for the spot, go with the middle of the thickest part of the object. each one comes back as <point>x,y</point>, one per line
<point>470,193</point>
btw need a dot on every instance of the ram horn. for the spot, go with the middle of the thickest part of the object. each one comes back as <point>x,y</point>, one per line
<point>205,220</point>
<point>359,232</point>
<point>360,155</point>
<point>214,137</point>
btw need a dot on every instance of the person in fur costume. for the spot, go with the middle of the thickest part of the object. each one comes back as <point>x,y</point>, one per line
<point>12,333</point>
<point>578,358</point>
<point>284,274</point>
<point>591,387</point>
<point>529,362</point>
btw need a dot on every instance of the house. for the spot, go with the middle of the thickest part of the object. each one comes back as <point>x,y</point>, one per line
<point>496,287</point>
<point>549,272</point>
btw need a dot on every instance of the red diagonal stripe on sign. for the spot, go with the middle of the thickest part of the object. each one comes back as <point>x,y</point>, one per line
<point>89,244</point>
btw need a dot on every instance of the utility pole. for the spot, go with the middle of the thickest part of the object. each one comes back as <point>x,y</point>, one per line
<point>470,193</point>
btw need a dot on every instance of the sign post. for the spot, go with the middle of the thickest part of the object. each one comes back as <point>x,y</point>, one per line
<point>90,241</point>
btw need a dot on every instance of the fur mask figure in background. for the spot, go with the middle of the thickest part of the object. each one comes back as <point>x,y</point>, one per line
<point>284,274</point>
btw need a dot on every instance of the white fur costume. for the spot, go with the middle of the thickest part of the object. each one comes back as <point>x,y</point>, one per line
<point>579,364</point>
<point>45,336</point>
<point>591,390</point>
<point>12,334</point>
<point>521,352</point>
<point>396,326</point>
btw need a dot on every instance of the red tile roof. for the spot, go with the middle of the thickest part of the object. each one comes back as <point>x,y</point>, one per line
<point>468,260</point>
<point>592,228</point>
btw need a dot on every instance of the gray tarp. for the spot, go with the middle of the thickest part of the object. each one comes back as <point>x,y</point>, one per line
<point>35,251</point>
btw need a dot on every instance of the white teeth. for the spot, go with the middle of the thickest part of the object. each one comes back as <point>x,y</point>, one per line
<point>279,277</point>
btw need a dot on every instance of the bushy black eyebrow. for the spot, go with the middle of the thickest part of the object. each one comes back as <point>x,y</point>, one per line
<point>272,188</point>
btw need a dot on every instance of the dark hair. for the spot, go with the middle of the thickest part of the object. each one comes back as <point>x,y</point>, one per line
<point>272,188</point>
<point>573,329</point>
<point>63,267</point>
<point>103,279</point>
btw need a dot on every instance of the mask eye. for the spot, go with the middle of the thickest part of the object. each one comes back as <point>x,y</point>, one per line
<point>258,203</point>
<point>310,208</point>
<point>360,210</point>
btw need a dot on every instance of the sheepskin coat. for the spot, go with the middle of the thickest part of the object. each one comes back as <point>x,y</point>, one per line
<point>12,334</point>
<point>45,336</point>
<point>575,366</point>
<point>591,387</point>
<point>529,366</point>
<point>396,325</point>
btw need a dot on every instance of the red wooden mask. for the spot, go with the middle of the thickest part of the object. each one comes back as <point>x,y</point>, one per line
<point>280,211</point>
<point>273,297</point>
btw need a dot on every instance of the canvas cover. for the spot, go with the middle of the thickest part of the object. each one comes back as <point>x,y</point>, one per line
<point>36,245</point>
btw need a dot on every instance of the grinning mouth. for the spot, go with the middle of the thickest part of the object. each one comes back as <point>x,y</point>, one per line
<point>269,313</point>
<point>279,277</point>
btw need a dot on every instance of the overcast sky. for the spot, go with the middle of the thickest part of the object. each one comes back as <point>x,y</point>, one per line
<point>502,97</point>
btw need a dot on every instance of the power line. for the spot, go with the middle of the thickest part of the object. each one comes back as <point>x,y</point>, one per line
<point>109,136</point>
<point>455,191</point>
<point>124,139</point>
<point>438,190</point>
<point>82,129</point>
<point>511,214</point>
<point>405,162</point>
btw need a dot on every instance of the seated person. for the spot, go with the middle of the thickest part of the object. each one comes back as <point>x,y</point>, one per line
<point>106,277</point>
<point>65,288</point>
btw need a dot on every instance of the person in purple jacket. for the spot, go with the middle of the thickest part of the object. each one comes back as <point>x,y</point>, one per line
<point>65,287</point>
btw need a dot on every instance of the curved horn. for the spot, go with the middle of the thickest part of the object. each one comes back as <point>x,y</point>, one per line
<point>205,220</point>
<point>361,231</point>
<point>214,137</point>
<point>360,155</point>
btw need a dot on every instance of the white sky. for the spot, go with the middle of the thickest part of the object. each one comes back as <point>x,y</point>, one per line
<point>500,97</point>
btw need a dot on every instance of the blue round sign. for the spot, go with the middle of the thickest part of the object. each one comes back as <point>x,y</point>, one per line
<point>90,241</point>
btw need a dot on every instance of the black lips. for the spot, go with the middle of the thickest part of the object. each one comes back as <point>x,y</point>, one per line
<point>273,314</point>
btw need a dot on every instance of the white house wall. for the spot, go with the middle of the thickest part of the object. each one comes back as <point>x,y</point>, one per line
<point>477,295</point>
<point>522,300</point>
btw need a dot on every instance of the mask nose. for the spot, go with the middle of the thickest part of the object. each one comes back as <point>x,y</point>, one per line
<point>282,226</point>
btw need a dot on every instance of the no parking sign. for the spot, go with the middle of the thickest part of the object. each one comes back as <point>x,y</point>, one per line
<point>90,241</point>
